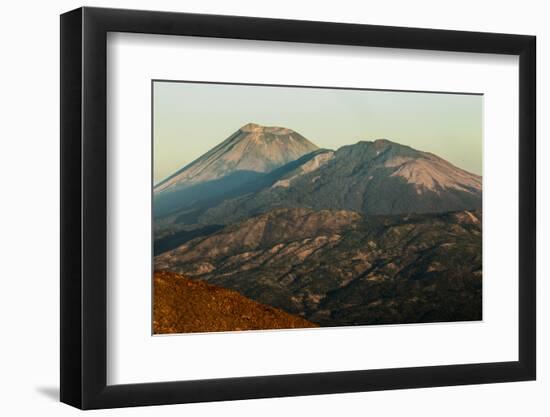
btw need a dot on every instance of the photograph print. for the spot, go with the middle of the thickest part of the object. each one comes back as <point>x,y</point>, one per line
<point>287,207</point>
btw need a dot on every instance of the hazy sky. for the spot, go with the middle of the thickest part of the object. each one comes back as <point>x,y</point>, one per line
<point>191,118</point>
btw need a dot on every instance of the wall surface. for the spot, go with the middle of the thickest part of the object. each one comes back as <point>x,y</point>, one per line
<point>29,167</point>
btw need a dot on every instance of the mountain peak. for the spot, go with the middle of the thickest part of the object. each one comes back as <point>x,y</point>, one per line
<point>382,143</point>
<point>380,149</point>
<point>251,127</point>
<point>251,149</point>
<point>259,129</point>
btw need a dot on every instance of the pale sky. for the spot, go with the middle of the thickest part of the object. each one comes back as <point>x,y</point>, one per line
<point>191,118</point>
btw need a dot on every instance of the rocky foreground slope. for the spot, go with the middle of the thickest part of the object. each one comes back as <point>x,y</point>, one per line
<point>182,305</point>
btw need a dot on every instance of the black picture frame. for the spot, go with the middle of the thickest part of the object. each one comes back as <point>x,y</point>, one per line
<point>84,207</point>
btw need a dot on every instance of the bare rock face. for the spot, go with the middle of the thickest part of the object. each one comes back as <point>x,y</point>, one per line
<point>317,160</point>
<point>252,148</point>
<point>431,173</point>
<point>265,231</point>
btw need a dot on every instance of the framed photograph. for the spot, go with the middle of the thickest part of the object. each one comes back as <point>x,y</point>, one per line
<point>256,208</point>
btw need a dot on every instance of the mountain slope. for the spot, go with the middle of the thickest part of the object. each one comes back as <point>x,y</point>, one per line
<point>379,177</point>
<point>176,227</point>
<point>341,268</point>
<point>236,163</point>
<point>252,148</point>
<point>182,305</point>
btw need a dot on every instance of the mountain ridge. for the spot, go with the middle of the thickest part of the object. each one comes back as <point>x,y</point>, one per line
<point>343,268</point>
<point>379,177</point>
